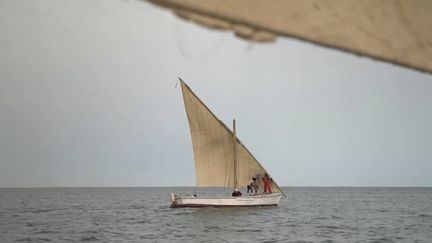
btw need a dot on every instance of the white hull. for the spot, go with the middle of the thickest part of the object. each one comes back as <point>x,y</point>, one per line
<point>244,201</point>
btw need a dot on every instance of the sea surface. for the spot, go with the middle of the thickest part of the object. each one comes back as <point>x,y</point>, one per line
<point>143,215</point>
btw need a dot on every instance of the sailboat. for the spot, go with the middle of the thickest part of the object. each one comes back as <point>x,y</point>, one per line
<point>221,160</point>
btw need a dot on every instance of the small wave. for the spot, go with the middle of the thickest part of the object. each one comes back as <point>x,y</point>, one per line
<point>30,224</point>
<point>424,215</point>
<point>382,210</point>
<point>90,232</point>
<point>45,232</point>
<point>148,237</point>
<point>321,217</point>
<point>42,210</point>
<point>386,240</point>
<point>211,209</point>
<point>88,238</point>
<point>247,230</point>
<point>26,239</point>
<point>43,239</point>
<point>129,219</point>
<point>138,207</point>
<point>328,227</point>
<point>212,228</point>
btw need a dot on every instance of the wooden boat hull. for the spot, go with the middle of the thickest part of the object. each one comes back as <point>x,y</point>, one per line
<point>244,201</point>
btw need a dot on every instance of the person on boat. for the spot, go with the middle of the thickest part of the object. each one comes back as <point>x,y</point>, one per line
<point>250,188</point>
<point>255,185</point>
<point>236,193</point>
<point>267,183</point>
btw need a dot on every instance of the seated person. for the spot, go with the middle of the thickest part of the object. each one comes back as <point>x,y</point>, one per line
<point>236,193</point>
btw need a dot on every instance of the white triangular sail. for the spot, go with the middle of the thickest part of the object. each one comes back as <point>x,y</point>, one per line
<point>214,148</point>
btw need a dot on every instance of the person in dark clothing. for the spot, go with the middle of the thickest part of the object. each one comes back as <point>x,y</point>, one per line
<point>255,185</point>
<point>250,188</point>
<point>236,193</point>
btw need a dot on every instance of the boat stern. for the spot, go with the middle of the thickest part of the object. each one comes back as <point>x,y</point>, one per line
<point>173,199</point>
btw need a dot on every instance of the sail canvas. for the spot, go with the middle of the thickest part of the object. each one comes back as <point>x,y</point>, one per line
<point>213,147</point>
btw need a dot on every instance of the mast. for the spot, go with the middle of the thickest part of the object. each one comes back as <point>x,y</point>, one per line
<point>235,153</point>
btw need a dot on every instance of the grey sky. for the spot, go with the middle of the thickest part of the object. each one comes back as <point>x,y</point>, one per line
<point>87,98</point>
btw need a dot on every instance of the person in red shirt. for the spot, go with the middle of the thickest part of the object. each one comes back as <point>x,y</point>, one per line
<point>267,183</point>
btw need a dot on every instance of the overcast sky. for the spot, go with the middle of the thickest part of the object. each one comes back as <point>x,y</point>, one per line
<point>88,98</point>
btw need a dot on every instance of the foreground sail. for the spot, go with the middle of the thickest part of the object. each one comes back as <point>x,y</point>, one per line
<point>221,160</point>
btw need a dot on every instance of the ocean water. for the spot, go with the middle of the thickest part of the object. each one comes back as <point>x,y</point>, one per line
<point>143,215</point>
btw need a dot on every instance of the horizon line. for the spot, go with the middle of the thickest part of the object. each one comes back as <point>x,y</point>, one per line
<point>70,187</point>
